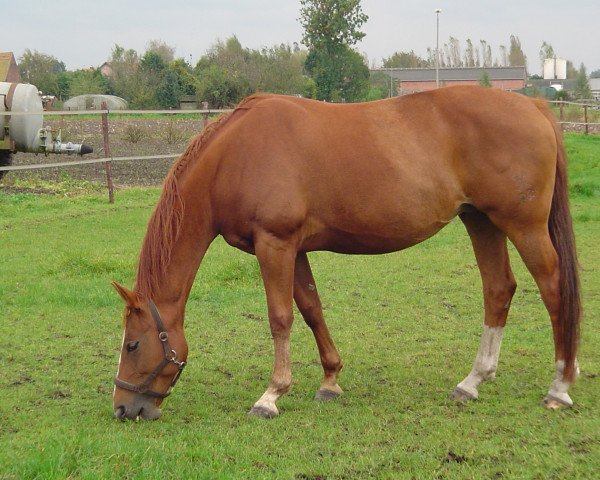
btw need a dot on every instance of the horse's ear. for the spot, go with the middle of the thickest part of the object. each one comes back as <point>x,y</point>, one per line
<point>129,297</point>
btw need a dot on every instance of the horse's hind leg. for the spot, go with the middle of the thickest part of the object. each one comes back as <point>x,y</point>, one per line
<point>540,257</point>
<point>308,302</point>
<point>499,286</point>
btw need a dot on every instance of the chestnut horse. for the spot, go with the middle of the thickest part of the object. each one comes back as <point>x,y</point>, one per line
<point>281,176</point>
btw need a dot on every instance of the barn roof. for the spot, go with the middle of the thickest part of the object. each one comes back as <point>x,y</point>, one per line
<point>450,74</point>
<point>9,72</point>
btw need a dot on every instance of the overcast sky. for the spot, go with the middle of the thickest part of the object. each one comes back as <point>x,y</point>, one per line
<point>81,33</point>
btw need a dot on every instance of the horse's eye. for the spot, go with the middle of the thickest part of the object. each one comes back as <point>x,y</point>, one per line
<point>131,346</point>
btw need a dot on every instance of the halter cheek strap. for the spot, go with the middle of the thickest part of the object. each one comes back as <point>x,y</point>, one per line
<point>170,357</point>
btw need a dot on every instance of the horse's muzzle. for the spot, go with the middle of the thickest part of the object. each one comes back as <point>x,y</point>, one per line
<point>148,411</point>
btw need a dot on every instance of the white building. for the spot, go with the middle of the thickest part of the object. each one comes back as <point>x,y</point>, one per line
<point>595,87</point>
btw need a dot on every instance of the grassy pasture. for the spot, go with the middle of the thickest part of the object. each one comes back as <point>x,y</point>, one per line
<point>407,326</point>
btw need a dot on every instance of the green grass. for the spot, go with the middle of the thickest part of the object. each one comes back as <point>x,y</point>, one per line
<point>407,326</point>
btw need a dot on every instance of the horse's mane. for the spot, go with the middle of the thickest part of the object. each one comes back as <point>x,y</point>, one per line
<point>165,222</point>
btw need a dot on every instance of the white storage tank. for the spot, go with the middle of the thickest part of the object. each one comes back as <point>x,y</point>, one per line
<point>23,130</point>
<point>555,69</point>
<point>25,133</point>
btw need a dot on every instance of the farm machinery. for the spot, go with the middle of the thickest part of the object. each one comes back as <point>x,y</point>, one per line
<point>22,129</point>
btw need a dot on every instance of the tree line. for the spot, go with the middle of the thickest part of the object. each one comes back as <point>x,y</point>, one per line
<point>156,79</point>
<point>452,54</point>
<point>327,67</point>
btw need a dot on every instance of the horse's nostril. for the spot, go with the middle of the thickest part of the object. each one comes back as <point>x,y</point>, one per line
<point>120,412</point>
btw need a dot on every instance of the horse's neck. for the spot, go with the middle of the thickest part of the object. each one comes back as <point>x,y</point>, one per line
<point>174,286</point>
<point>168,273</point>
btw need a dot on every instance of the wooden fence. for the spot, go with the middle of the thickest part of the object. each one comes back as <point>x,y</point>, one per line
<point>578,114</point>
<point>107,159</point>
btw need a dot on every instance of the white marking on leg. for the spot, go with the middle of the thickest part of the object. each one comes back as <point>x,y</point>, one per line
<point>268,400</point>
<point>559,388</point>
<point>486,361</point>
<point>281,380</point>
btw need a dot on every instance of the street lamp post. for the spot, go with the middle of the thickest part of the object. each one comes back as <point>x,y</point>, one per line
<point>437,48</point>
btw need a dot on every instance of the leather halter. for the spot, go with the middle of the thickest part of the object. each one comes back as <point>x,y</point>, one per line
<point>170,357</point>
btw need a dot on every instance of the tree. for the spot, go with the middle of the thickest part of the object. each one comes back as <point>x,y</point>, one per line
<point>595,74</point>
<point>84,82</point>
<point>283,69</point>
<point>331,27</point>
<point>218,88</point>
<point>582,84</point>
<point>234,60</point>
<point>185,76</point>
<point>41,70</point>
<point>469,54</point>
<point>484,81</point>
<point>516,57</point>
<point>503,61</point>
<point>162,84</point>
<point>164,51</point>
<point>486,54</point>
<point>452,53</point>
<point>228,72</point>
<point>168,91</point>
<point>546,51</point>
<point>355,76</point>
<point>405,60</point>
<point>476,55</point>
<point>330,23</point>
<point>224,74</point>
<point>125,80</point>
<point>152,63</point>
<point>571,70</point>
<point>341,76</point>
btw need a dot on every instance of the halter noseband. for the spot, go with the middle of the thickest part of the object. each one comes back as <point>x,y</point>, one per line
<point>170,357</point>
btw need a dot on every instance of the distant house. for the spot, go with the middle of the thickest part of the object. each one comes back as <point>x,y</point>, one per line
<point>106,70</point>
<point>9,71</point>
<point>412,80</point>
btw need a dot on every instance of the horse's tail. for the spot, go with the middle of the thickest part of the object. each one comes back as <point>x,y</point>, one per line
<point>560,226</point>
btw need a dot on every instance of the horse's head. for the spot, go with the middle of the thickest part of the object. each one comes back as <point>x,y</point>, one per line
<point>151,359</point>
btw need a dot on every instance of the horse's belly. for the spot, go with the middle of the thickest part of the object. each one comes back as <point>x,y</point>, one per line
<point>370,241</point>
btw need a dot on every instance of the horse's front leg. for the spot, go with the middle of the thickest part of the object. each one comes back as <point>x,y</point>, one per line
<point>276,259</point>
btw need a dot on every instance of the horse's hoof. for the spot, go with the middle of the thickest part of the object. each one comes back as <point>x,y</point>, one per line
<point>554,403</point>
<point>263,412</point>
<point>325,395</point>
<point>460,395</point>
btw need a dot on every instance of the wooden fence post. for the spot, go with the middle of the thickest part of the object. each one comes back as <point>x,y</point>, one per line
<point>107,164</point>
<point>562,115</point>
<point>585,116</point>
<point>205,114</point>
